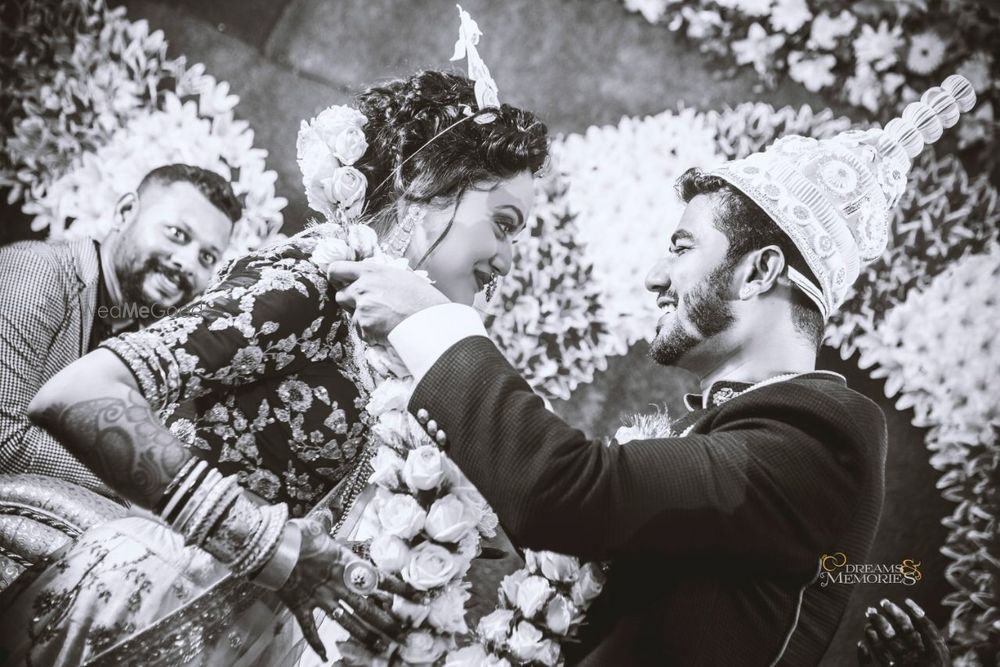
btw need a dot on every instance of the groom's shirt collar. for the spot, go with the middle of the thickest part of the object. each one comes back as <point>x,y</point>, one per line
<point>721,391</point>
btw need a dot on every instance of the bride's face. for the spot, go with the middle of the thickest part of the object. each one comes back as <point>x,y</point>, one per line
<point>487,220</point>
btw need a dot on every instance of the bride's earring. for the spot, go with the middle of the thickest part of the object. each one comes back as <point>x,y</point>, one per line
<point>491,286</point>
<point>747,291</point>
<point>398,240</point>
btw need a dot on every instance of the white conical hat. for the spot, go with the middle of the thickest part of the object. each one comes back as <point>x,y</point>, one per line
<point>833,197</point>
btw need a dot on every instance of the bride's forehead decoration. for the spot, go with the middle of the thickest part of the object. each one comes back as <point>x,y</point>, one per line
<point>329,144</point>
<point>834,197</point>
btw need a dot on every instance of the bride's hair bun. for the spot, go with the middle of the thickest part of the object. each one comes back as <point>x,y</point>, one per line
<point>404,115</point>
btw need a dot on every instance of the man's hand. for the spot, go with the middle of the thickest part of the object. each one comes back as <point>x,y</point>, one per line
<point>318,581</point>
<point>381,296</point>
<point>897,636</point>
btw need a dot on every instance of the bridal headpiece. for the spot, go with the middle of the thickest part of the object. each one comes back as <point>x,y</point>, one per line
<point>329,144</point>
<point>834,197</point>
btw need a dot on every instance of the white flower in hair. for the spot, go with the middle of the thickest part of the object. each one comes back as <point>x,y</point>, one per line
<point>326,148</point>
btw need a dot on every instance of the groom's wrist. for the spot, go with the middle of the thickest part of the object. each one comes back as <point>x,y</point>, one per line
<point>422,338</point>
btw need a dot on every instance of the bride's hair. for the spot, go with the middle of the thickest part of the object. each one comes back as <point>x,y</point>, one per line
<point>405,161</point>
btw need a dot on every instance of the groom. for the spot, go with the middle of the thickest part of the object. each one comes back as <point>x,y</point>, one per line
<point>715,534</point>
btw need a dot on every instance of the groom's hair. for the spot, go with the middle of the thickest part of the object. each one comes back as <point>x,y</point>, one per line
<point>749,228</point>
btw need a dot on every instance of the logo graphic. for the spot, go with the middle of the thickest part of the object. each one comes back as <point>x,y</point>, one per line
<point>834,569</point>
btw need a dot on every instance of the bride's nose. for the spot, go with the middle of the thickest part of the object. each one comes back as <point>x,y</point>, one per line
<point>503,260</point>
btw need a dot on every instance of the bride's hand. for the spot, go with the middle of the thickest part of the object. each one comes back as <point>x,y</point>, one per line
<point>381,296</point>
<point>318,581</point>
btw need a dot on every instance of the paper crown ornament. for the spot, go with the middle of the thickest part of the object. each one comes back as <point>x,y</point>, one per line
<point>834,197</point>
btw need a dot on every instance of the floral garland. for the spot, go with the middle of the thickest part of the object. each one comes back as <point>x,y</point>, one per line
<point>424,520</point>
<point>104,107</point>
<point>871,55</point>
<point>937,351</point>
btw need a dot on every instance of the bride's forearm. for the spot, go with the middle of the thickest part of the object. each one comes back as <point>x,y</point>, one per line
<point>103,420</point>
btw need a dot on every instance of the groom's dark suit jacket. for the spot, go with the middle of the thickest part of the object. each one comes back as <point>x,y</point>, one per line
<point>714,538</point>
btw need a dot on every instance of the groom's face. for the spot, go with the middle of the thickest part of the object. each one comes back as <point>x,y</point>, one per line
<point>693,285</point>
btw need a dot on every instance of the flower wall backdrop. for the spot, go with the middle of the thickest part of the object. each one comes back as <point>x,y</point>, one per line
<point>96,104</point>
<point>550,319</point>
<point>874,55</point>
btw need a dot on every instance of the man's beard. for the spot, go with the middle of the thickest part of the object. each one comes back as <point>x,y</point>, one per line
<point>133,278</point>
<point>707,310</point>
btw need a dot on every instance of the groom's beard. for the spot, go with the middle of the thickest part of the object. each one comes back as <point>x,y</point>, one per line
<point>707,310</point>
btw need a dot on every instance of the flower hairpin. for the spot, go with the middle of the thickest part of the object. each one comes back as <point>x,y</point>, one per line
<point>327,147</point>
<point>487,94</point>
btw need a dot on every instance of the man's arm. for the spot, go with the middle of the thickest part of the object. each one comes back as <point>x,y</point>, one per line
<point>772,482</point>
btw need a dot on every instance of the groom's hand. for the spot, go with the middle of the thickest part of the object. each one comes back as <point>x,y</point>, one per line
<point>381,296</point>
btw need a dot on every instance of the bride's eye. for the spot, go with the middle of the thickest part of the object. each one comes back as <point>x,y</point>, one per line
<point>506,226</point>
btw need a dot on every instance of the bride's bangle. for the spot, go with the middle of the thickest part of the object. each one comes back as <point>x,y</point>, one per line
<point>279,567</point>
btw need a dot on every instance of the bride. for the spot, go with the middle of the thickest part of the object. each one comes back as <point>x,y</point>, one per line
<point>230,422</point>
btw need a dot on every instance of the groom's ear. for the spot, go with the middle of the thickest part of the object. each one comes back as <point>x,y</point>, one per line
<point>766,265</point>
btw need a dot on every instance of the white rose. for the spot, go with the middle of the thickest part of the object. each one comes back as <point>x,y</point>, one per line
<point>495,661</point>
<point>363,239</point>
<point>448,519</point>
<point>386,465</point>
<point>526,641</point>
<point>401,516</point>
<point>557,567</point>
<point>588,586</point>
<point>548,653</point>
<point>559,614</point>
<point>495,627</point>
<point>532,594</point>
<point>334,121</point>
<point>422,648</point>
<point>412,613</point>
<point>423,469</point>
<point>510,584</point>
<point>350,145</point>
<point>346,186</point>
<point>313,155</point>
<point>331,250</point>
<point>448,610</point>
<point>430,566</point>
<point>469,656</point>
<point>389,395</point>
<point>389,553</point>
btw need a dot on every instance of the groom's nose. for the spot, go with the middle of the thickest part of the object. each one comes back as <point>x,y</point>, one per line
<point>658,278</point>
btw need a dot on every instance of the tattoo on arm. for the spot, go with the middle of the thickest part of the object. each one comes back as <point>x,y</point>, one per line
<point>122,441</point>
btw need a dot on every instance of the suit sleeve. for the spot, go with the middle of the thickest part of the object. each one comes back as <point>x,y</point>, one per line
<point>773,481</point>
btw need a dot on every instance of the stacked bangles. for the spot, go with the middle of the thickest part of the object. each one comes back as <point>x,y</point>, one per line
<point>211,511</point>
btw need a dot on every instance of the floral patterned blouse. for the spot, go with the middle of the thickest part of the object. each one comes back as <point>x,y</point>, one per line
<point>247,376</point>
